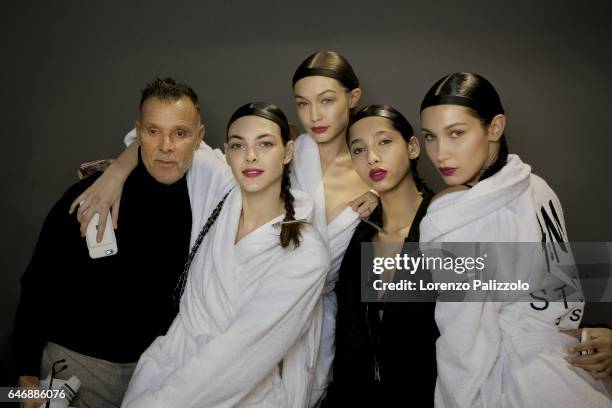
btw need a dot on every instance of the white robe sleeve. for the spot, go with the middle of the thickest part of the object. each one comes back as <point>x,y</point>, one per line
<point>466,351</point>
<point>469,344</point>
<point>208,180</point>
<point>129,138</point>
<point>231,365</point>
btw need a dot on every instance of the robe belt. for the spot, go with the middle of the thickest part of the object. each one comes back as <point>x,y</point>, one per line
<point>535,342</point>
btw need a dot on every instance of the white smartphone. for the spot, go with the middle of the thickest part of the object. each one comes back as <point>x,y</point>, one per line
<point>108,245</point>
<point>585,337</point>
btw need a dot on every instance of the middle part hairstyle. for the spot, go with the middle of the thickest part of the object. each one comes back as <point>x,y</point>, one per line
<point>401,124</point>
<point>290,232</point>
<point>328,64</point>
<point>475,93</point>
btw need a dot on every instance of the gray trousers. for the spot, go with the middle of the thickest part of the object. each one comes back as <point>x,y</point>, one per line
<point>103,383</point>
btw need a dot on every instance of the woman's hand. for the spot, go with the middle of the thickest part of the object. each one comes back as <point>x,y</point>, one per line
<point>365,204</point>
<point>599,363</point>
<point>105,193</point>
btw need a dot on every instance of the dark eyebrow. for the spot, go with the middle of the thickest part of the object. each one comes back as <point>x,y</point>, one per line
<point>258,137</point>
<point>179,127</point>
<point>377,133</point>
<point>446,128</point>
<point>455,124</point>
<point>319,94</point>
<point>327,90</point>
<point>265,135</point>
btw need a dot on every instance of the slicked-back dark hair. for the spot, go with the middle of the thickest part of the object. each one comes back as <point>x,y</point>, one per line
<point>329,64</point>
<point>475,93</point>
<point>168,89</point>
<point>399,123</point>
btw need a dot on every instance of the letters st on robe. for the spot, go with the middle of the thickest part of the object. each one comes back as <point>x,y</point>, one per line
<point>536,273</point>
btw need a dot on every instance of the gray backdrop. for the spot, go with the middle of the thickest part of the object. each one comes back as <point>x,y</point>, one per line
<point>71,75</point>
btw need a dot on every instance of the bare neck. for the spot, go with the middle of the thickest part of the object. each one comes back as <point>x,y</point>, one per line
<point>258,208</point>
<point>400,205</point>
<point>332,150</point>
<point>491,159</point>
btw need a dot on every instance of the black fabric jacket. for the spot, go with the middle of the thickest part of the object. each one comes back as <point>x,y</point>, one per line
<point>109,308</point>
<point>384,363</point>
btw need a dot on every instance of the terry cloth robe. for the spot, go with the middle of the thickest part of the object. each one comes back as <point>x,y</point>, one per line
<point>507,354</point>
<point>246,307</point>
<point>306,175</point>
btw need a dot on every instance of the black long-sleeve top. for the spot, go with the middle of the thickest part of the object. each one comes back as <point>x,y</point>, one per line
<point>109,308</point>
<point>381,363</point>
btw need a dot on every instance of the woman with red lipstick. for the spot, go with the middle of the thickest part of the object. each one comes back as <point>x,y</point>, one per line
<point>493,354</point>
<point>252,283</point>
<point>375,342</point>
<point>326,90</point>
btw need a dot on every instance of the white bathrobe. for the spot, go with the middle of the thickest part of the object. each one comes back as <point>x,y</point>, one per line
<point>246,307</point>
<point>306,175</point>
<point>494,354</point>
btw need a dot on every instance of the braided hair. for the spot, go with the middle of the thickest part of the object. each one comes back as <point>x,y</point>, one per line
<point>474,92</point>
<point>290,232</point>
<point>401,124</point>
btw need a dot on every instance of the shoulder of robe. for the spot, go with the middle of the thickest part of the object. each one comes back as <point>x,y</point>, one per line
<point>539,185</point>
<point>448,191</point>
<point>543,193</point>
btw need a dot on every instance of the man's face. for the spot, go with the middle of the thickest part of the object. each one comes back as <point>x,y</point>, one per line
<point>169,132</point>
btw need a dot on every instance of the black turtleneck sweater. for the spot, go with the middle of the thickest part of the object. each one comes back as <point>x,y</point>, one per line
<point>109,308</point>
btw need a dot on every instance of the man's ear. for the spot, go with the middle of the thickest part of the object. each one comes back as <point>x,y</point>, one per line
<point>496,127</point>
<point>200,136</point>
<point>414,148</point>
<point>288,152</point>
<point>201,133</point>
<point>354,97</point>
<point>137,127</point>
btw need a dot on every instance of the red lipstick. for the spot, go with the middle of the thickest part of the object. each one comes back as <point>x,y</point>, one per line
<point>252,172</point>
<point>447,171</point>
<point>377,174</point>
<point>319,129</point>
